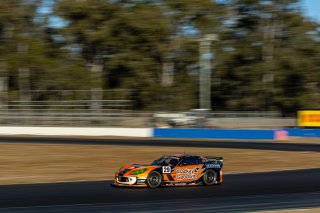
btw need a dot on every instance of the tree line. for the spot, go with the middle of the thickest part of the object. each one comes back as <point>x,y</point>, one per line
<point>267,56</point>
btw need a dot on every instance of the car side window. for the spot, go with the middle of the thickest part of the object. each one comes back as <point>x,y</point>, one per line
<point>185,161</point>
<point>197,160</point>
<point>191,161</point>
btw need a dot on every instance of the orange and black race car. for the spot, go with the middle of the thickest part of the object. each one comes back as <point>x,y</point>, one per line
<point>172,170</point>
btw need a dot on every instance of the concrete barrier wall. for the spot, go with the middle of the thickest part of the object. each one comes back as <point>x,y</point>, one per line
<point>220,134</point>
<point>298,132</point>
<point>241,134</point>
<point>76,131</point>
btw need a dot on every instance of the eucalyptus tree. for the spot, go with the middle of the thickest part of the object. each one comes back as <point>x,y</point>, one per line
<point>17,43</point>
<point>136,43</point>
<point>263,66</point>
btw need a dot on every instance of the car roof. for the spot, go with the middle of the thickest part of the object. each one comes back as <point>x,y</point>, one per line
<point>178,155</point>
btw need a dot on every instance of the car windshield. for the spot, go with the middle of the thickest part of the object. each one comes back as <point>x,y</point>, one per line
<point>166,161</point>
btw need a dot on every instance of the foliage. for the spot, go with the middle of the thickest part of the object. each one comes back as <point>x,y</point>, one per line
<point>267,56</point>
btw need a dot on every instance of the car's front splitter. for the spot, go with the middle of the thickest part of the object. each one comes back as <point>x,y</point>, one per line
<point>128,185</point>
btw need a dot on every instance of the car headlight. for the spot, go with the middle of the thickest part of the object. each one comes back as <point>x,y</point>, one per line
<point>139,171</point>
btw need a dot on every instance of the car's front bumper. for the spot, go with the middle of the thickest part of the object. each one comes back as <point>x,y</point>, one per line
<point>130,181</point>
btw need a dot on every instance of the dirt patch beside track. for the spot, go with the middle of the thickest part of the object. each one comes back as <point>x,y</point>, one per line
<point>36,163</point>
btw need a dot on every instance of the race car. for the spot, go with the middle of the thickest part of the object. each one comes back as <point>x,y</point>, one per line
<point>172,170</point>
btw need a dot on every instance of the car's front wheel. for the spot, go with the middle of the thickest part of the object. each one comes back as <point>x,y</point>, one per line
<point>154,179</point>
<point>210,177</point>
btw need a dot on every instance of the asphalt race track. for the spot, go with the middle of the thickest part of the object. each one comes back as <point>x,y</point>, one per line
<point>239,192</point>
<point>304,147</point>
<point>273,190</point>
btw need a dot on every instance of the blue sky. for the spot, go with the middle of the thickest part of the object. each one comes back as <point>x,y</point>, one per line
<point>311,9</point>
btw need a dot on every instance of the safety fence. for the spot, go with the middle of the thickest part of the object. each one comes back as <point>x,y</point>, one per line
<point>136,119</point>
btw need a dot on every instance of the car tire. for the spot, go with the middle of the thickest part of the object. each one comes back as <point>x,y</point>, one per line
<point>154,179</point>
<point>209,177</point>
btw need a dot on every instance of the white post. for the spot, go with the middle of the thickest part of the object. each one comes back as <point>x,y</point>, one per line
<point>206,57</point>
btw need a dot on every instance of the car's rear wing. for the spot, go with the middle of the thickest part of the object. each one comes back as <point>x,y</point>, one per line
<point>214,158</point>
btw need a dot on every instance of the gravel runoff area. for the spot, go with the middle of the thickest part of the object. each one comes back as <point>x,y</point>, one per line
<point>39,163</point>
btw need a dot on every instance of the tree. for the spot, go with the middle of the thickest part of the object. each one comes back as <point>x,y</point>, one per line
<point>263,63</point>
<point>266,57</point>
<point>140,44</point>
<point>32,54</point>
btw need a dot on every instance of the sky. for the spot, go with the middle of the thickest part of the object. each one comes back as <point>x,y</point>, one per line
<point>311,9</point>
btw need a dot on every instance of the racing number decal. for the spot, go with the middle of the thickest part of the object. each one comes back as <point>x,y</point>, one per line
<point>166,169</point>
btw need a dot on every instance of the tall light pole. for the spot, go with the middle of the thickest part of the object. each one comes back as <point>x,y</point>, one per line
<point>206,56</point>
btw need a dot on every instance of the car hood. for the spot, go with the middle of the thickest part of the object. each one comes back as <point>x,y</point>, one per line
<point>134,166</point>
<point>130,167</point>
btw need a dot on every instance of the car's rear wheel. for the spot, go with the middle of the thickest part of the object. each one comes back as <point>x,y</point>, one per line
<point>209,177</point>
<point>154,179</point>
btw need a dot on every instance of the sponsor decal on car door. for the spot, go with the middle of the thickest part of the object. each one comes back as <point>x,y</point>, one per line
<point>186,173</point>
